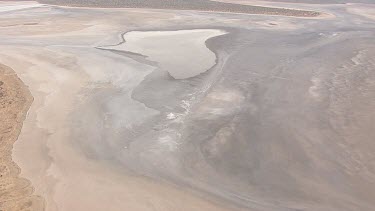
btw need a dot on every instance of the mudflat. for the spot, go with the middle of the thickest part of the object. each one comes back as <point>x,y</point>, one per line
<point>282,119</point>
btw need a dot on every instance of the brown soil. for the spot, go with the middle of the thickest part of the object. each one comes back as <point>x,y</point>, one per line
<point>15,99</point>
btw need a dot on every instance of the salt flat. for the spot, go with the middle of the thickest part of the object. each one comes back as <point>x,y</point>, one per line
<point>11,6</point>
<point>265,113</point>
<point>183,54</point>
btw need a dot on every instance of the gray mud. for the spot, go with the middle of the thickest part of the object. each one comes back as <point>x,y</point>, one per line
<point>284,121</point>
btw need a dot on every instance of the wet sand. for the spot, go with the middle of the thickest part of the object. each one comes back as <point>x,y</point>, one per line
<point>284,120</point>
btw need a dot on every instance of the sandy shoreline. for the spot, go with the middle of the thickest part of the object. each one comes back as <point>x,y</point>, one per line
<point>15,99</point>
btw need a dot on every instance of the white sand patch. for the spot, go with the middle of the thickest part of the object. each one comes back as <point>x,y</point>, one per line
<point>10,6</point>
<point>314,88</point>
<point>171,116</point>
<point>182,53</point>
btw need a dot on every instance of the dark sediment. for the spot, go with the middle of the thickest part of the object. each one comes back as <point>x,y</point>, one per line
<point>200,5</point>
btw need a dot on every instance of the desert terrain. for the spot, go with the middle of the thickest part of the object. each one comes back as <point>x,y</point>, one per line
<point>15,99</point>
<point>187,105</point>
